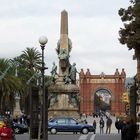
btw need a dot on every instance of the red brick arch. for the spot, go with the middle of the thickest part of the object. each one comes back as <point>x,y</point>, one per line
<point>90,84</point>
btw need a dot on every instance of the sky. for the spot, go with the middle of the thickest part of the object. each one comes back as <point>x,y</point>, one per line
<point>93,29</point>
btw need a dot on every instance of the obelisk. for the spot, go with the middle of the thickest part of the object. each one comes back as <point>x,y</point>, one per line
<point>64,30</point>
<point>64,45</point>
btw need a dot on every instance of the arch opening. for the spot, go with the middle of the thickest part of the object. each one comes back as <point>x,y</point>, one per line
<point>102,100</point>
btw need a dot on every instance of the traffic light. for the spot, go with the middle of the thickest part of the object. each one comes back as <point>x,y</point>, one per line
<point>125,97</point>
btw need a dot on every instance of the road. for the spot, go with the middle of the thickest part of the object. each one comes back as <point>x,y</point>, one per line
<point>75,137</point>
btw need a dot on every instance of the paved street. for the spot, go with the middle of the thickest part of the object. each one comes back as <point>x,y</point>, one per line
<point>75,137</point>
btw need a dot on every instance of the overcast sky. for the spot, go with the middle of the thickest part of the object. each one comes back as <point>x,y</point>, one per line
<point>93,30</point>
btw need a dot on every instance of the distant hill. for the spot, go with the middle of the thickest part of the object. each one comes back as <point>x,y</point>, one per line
<point>129,80</point>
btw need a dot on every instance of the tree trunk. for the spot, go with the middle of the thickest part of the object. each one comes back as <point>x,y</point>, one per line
<point>137,53</point>
<point>1,104</point>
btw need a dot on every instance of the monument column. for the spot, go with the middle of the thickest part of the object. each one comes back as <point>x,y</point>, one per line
<point>63,53</point>
<point>64,30</point>
<point>64,92</point>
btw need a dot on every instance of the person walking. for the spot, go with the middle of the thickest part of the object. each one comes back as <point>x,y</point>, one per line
<point>6,131</point>
<point>94,125</point>
<point>101,125</point>
<point>129,130</point>
<point>108,125</point>
<point>118,124</point>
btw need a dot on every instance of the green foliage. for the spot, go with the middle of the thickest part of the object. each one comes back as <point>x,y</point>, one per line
<point>31,58</point>
<point>130,34</point>
<point>9,83</point>
<point>15,73</point>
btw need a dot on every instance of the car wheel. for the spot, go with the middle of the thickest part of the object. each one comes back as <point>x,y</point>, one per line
<point>53,131</point>
<point>84,131</point>
<point>17,130</point>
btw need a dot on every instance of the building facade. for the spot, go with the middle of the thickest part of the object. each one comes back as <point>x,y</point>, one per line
<point>109,88</point>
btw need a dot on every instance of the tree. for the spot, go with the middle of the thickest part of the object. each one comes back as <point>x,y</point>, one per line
<point>130,34</point>
<point>14,74</point>
<point>28,69</point>
<point>9,84</point>
<point>31,59</point>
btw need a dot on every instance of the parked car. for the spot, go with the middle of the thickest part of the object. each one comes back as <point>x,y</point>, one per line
<point>68,124</point>
<point>20,128</point>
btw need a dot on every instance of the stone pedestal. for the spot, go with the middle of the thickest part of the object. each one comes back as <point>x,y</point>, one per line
<point>63,101</point>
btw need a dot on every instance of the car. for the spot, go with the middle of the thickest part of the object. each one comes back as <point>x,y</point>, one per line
<point>20,128</point>
<point>68,124</point>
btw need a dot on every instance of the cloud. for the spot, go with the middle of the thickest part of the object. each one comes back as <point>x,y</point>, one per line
<point>93,29</point>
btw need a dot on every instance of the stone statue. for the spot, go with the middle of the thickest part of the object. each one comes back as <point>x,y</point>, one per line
<point>63,54</point>
<point>54,71</point>
<point>73,99</point>
<point>52,100</point>
<point>64,59</point>
<point>67,79</point>
<point>72,73</point>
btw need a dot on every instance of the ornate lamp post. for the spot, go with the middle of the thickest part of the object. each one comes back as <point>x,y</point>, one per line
<point>43,40</point>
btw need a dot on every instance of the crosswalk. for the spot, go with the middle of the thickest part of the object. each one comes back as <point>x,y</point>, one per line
<point>92,137</point>
<point>84,137</point>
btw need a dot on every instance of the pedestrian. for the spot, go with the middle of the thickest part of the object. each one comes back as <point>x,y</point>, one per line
<point>94,125</point>
<point>118,124</point>
<point>6,131</point>
<point>108,125</point>
<point>15,119</point>
<point>129,130</point>
<point>85,121</point>
<point>101,125</point>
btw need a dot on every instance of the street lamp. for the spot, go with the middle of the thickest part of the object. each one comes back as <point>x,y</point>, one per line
<point>43,40</point>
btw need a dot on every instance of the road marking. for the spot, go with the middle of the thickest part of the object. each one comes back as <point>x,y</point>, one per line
<point>92,137</point>
<point>83,137</point>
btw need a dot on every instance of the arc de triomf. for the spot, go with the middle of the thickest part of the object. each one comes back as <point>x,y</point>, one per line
<point>109,88</point>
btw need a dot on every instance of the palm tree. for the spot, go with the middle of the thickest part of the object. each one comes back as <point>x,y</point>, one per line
<point>9,84</point>
<point>14,74</point>
<point>29,64</point>
<point>31,58</point>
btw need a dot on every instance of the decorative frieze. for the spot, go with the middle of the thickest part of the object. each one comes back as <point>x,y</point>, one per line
<point>102,80</point>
